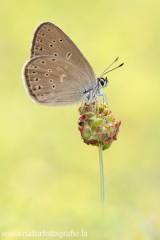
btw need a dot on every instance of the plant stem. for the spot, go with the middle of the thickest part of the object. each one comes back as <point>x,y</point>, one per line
<point>102,176</point>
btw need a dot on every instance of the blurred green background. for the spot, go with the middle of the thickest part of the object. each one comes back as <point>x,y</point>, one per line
<point>50,179</point>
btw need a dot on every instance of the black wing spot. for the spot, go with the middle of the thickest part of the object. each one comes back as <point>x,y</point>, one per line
<point>33,72</point>
<point>53,40</point>
<point>39,87</point>
<point>35,66</point>
<point>53,59</point>
<point>42,34</point>
<point>49,70</point>
<point>43,62</point>
<point>50,80</point>
<point>53,86</point>
<point>51,45</point>
<point>60,40</point>
<point>36,79</point>
<point>55,54</point>
<point>46,74</point>
<point>49,29</point>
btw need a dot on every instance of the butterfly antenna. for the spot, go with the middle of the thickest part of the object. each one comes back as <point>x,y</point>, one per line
<point>108,67</point>
<point>114,68</point>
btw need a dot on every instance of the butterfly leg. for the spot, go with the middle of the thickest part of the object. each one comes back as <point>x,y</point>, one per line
<point>85,100</point>
<point>91,98</point>
<point>104,97</point>
<point>82,104</point>
<point>96,103</point>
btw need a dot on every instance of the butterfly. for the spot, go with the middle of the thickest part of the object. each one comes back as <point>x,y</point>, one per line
<point>57,73</point>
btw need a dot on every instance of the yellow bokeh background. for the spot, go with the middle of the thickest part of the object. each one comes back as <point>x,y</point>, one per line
<point>50,179</point>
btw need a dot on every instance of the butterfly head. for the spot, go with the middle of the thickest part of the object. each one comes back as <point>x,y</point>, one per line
<point>102,82</point>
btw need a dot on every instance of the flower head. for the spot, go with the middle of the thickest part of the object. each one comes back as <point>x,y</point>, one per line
<point>98,125</point>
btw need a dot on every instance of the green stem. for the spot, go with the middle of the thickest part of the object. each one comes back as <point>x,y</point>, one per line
<point>102,176</point>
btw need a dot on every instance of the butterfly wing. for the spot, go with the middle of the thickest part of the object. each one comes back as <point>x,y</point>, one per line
<point>48,39</point>
<point>54,81</point>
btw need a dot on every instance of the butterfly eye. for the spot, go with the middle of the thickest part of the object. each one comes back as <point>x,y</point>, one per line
<point>102,82</point>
